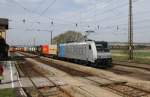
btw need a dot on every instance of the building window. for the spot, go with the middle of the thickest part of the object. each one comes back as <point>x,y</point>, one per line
<point>90,47</point>
<point>1,34</point>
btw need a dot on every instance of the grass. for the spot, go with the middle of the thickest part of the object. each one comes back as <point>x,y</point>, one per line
<point>140,56</point>
<point>7,93</point>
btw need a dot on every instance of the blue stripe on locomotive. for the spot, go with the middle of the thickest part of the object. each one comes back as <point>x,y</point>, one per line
<point>61,50</point>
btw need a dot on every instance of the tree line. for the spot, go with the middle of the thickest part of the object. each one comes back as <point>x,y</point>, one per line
<point>69,36</point>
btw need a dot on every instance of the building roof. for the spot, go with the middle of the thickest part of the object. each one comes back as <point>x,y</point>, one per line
<point>4,22</point>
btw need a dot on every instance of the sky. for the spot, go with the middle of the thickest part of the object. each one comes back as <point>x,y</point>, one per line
<point>30,20</point>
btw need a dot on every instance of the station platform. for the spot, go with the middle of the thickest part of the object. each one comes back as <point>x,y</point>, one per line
<point>10,75</point>
<point>11,84</point>
<point>12,79</point>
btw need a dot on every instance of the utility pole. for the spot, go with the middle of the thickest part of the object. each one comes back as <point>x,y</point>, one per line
<point>51,37</point>
<point>34,41</point>
<point>52,23</point>
<point>130,31</point>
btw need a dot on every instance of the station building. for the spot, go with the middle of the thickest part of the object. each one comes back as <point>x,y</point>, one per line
<point>3,27</point>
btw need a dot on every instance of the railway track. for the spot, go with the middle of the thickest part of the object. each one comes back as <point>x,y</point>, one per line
<point>20,90</point>
<point>123,89</point>
<point>128,91</point>
<point>120,88</point>
<point>131,72</point>
<point>135,70</point>
<point>120,63</point>
<point>133,65</point>
<point>53,90</point>
<point>83,94</point>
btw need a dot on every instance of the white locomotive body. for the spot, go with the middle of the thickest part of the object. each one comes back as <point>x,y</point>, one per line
<point>91,52</point>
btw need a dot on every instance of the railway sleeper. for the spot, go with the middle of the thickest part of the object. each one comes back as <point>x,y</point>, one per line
<point>127,91</point>
<point>114,83</point>
<point>50,92</point>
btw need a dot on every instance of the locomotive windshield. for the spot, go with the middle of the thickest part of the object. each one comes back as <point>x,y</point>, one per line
<point>102,46</point>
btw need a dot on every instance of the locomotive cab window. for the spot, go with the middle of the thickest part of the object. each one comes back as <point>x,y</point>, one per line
<point>102,47</point>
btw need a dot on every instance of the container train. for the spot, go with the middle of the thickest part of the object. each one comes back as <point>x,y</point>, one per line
<point>4,47</point>
<point>89,52</point>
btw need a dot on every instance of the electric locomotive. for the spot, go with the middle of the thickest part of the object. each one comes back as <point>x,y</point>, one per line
<point>95,53</point>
